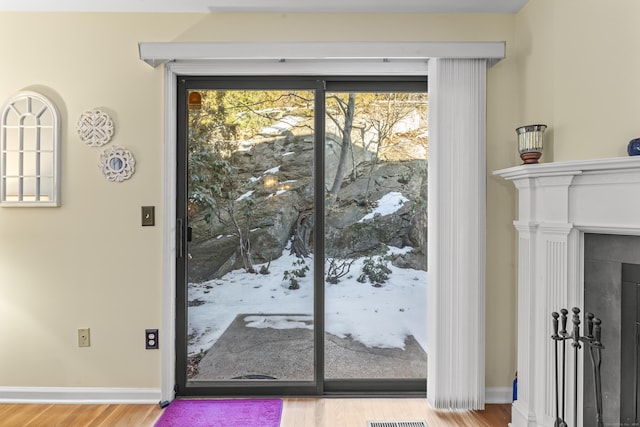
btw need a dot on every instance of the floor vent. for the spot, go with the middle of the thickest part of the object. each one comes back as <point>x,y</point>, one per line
<point>396,424</point>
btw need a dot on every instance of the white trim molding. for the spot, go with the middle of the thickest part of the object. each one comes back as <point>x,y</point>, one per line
<point>169,251</point>
<point>79,395</point>
<point>557,204</point>
<point>498,395</point>
<point>159,53</point>
<point>260,6</point>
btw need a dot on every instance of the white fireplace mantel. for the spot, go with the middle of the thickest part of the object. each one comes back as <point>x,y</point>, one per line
<point>557,204</point>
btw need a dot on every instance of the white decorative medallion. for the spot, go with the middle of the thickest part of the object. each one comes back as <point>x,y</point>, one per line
<point>95,128</point>
<point>117,164</point>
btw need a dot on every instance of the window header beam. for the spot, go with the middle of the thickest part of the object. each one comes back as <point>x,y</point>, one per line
<point>157,53</point>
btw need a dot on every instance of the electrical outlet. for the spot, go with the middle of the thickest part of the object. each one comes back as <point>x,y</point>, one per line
<point>151,339</point>
<point>84,338</point>
<point>148,215</point>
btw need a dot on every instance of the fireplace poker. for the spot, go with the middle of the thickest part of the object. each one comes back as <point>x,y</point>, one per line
<point>576,346</point>
<point>592,339</point>
<point>556,338</point>
<point>564,334</point>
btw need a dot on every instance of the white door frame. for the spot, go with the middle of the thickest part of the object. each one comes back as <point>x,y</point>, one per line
<point>197,59</point>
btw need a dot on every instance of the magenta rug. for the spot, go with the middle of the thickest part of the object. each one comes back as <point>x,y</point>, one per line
<point>222,413</point>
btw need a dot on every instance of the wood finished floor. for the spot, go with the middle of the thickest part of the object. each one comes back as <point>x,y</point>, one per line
<point>308,412</point>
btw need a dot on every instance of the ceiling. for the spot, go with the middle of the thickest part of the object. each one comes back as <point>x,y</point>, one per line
<point>280,6</point>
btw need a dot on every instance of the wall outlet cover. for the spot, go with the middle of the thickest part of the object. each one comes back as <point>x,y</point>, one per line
<point>151,339</point>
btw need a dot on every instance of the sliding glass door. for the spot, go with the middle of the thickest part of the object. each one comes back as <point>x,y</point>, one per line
<point>375,238</point>
<point>301,236</point>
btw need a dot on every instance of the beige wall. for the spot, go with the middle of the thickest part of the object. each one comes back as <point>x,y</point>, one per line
<point>577,72</point>
<point>579,68</point>
<point>90,264</point>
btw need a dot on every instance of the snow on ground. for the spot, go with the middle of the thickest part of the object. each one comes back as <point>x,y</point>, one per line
<point>272,171</point>
<point>375,316</point>
<point>277,193</point>
<point>388,204</point>
<point>245,195</point>
<point>245,145</point>
<point>283,125</point>
<point>280,322</point>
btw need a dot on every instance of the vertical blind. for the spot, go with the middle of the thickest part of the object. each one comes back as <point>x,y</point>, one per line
<point>457,180</point>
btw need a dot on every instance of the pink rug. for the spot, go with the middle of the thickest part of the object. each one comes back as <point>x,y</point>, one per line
<point>222,413</point>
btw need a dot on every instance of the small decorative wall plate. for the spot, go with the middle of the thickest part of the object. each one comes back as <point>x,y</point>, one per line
<point>117,164</point>
<point>95,128</point>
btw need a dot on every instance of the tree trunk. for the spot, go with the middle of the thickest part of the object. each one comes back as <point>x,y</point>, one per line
<point>344,149</point>
<point>301,244</point>
<point>374,163</point>
<point>244,241</point>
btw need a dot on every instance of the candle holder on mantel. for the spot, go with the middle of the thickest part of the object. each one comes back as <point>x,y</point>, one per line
<point>530,142</point>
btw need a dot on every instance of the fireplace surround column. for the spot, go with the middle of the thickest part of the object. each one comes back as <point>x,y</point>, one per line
<point>543,239</point>
<point>557,204</point>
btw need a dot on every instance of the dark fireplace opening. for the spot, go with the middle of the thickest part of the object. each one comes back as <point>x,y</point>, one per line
<point>612,293</point>
<point>629,348</point>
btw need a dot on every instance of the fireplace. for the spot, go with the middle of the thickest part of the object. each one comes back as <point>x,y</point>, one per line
<point>630,359</point>
<point>563,209</point>
<point>611,282</point>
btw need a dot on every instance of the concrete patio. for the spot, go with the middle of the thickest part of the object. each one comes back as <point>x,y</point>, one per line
<point>287,354</point>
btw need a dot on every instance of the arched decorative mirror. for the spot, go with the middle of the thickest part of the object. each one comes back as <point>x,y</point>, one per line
<point>29,151</point>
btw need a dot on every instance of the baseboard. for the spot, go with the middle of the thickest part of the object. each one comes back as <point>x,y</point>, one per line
<point>140,395</point>
<point>498,395</point>
<point>82,395</point>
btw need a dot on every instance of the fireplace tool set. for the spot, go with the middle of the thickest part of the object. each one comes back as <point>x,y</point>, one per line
<point>592,342</point>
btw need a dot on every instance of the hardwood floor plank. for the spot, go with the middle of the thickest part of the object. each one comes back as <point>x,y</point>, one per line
<point>102,419</point>
<point>21,415</point>
<point>66,415</point>
<point>297,412</point>
<point>132,415</point>
<point>4,409</point>
<point>356,412</point>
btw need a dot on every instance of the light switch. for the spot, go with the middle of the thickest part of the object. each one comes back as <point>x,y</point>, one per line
<point>148,215</point>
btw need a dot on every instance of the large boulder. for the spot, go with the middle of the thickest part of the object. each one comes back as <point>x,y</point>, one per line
<point>275,189</point>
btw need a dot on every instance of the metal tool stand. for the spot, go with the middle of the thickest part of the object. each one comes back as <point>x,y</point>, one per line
<point>593,343</point>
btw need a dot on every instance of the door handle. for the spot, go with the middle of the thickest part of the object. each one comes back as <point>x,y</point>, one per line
<point>179,238</point>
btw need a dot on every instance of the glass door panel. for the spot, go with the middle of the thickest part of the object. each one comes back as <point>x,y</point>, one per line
<point>302,236</point>
<point>250,214</point>
<point>375,235</point>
